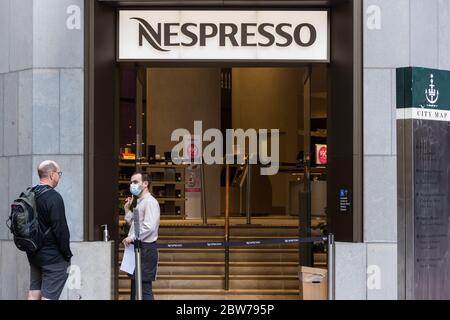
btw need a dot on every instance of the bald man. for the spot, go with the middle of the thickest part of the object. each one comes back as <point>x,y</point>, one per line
<point>49,265</point>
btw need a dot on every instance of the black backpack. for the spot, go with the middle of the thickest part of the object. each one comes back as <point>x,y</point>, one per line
<point>24,223</point>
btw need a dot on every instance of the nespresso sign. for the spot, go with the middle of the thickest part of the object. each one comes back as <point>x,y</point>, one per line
<point>223,35</point>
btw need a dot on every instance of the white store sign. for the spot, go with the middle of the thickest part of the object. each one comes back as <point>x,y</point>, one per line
<point>224,35</point>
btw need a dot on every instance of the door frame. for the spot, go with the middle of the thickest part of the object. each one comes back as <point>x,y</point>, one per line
<point>345,107</point>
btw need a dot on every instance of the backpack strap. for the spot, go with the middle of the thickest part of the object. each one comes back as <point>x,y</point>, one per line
<point>41,191</point>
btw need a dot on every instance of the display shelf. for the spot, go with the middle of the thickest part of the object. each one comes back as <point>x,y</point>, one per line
<point>127,165</point>
<point>318,134</point>
<point>161,183</point>
<point>169,199</point>
<point>163,166</point>
<point>167,186</point>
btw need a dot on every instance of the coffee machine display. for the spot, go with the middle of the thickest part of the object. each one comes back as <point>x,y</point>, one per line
<point>168,187</point>
<point>151,154</point>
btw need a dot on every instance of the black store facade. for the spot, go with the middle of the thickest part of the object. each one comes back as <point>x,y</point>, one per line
<point>343,65</point>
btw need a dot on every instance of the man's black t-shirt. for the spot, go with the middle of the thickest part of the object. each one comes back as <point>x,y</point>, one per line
<point>56,247</point>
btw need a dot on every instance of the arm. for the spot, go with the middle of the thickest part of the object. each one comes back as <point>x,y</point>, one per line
<point>128,217</point>
<point>58,224</point>
<point>128,212</point>
<point>129,220</point>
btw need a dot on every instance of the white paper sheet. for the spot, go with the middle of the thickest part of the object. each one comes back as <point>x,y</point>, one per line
<point>128,260</point>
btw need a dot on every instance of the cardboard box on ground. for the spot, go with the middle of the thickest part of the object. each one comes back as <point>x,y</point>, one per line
<point>313,283</point>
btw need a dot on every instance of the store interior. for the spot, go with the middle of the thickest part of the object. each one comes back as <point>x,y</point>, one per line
<point>231,98</point>
<point>156,101</point>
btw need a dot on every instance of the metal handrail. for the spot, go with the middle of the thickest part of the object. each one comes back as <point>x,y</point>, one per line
<point>204,212</point>
<point>227,227</point>
<point>249,192</point>
<point>246,177</point>
<point>243,178</point>
<point>331,267</point>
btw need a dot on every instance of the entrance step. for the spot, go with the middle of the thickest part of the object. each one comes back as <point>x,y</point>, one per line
<point>268,272</point>
<point>253,231</point>
<point>267,282</point>
<point>218,294</point>
<point>236,254</point>
<point>216,267</point>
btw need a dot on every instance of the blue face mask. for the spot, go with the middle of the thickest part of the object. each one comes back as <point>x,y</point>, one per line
<point>135,190</point>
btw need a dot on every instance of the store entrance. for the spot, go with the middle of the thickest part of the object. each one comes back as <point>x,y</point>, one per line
<point>202,274</point>
<point>155,102</point>
<point>292,100</point>
<point>230,98</point>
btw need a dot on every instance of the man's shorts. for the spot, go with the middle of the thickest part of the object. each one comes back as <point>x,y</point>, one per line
<point>50,280</point>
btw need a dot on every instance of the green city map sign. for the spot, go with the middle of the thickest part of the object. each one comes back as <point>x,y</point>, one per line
<point>423,94</point>
<point>423,130</point>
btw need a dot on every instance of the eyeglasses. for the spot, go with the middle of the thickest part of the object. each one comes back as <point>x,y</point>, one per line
<point>59,173</point>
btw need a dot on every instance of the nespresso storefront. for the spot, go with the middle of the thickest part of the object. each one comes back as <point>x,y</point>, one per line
<point>294,66</point>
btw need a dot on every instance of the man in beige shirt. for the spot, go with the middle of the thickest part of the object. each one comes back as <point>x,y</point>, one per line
<point>149,217</point>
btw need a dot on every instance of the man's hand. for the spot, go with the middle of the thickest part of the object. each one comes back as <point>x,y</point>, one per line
<point>128,203</point>
<point>127,241</point>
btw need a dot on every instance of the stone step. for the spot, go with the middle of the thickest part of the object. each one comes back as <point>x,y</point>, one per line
<point>234,250</point>
<point>254,231</point>
<point>197,238</point>
<point>221,277</point>
<point>268,220</point>
<point>233,263</point>
<point>215,269</point>
<point>219,283</point>
<point>236,268</point>
<point>260,272</point>
<point>224,297</point>
<point>188,238</point>
<point>254,254</point>
<point>270,249</point>
<point>218,268</point>
<point>218,294</point>
<point>279,255</point>
<point>234,256</point>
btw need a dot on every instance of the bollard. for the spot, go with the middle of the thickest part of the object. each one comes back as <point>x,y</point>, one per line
<point>331,267</point>
<point>105,232</point>
<point>137,255</point>
<point>138,270</point>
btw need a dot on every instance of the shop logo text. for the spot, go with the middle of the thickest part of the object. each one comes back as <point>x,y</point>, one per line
<point>237,35</point>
